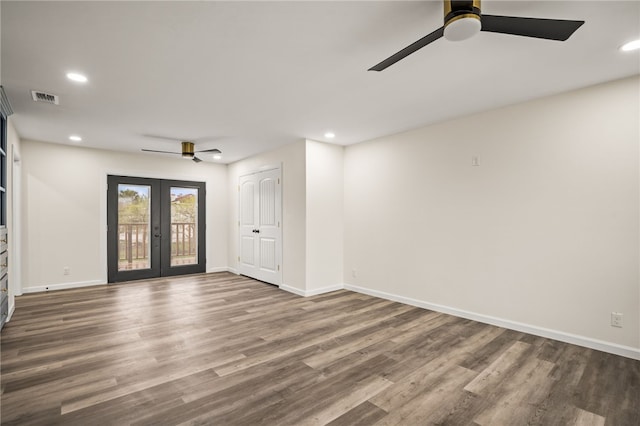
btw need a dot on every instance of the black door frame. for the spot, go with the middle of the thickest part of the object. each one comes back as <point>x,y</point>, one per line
<point>160,248</point>
<point>165,220</point>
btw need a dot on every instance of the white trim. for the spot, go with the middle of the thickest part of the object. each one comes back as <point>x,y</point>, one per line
<point>233,270</point>
<point>12,309</point>
<point>293,290</point>
<point>217,269</point>
<point>63,286</point>
<point>15,241</point>
<point>261,169</point>
<point>313,292</point>
<point>322,290</point>
<point>614,348</point>
<point>103,236</point>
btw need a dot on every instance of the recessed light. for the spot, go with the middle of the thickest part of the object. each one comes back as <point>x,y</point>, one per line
<point>329,135</point>
<point>632,45</point>
<point>217,157</point>
<point>75,138</point>
<point>74,76</point>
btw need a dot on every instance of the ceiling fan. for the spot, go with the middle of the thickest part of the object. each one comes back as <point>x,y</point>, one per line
<point>188,151</point>
<point>463,19</point>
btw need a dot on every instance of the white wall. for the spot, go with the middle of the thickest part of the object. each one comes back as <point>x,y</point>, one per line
<point>312,197</point>
<point>545,232</point>
<point>325,219</point>
<point>291,159</point>
<point>64,206</point>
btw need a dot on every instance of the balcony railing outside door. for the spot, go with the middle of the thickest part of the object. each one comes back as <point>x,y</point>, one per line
<point>133,246</point>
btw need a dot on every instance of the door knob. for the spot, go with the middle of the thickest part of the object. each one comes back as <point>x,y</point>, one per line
<point>157,235</point>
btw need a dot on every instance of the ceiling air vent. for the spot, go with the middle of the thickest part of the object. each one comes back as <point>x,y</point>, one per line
<point>45,97</point>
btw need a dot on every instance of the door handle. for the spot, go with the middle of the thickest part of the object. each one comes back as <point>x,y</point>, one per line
<point>157,235</point>
<point>257,231</point>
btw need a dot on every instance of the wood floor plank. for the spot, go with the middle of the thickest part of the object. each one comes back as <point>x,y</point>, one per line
<point>324,400</point>
<point>519,395</point>
<point>608,375</point>
<point>297,342</point>
<point>349,345</point>
<point>495,373</point>
<point>222,349</point>
<point>570,362</point>
<point>585,418</point>
<point>364,414</point>
<point>241,399</point>
<point>421,407</point>
<point>431,373</point>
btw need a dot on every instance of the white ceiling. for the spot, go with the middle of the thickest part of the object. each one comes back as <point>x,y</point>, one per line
<point>247,77</point>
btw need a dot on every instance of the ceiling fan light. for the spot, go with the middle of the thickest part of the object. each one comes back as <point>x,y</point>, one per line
<point>462,27</point>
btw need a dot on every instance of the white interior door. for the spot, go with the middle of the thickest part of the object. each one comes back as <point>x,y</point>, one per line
<point>260,226</point>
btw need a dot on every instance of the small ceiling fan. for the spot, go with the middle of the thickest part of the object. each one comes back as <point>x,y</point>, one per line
<point>188,151</point>
<point>463,19</point>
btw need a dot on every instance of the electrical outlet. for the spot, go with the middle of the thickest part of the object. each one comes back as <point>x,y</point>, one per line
<point>66,270</point>
<point>616,319</point>
<point>354,272</point>
<point>475,161</point>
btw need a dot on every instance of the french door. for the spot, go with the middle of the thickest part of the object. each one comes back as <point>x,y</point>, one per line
<point>155,228</point>
<point>260,226</point>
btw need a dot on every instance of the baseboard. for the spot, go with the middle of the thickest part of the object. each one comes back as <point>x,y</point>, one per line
<point>218,269</point>
<point>12,309</point>
<point>322,290</point>
<point>292,290</point>
<point>61,286</point>
<point>314,292</point>
<point>614,348</point>
<point>233,271</point>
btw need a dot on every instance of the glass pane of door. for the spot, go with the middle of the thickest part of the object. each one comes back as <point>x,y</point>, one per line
<point>134,228</point>
<point>184,226</point>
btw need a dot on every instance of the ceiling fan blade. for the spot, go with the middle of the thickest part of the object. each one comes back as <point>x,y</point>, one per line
<point>409,50</point>
<point>196,159</point>
<point>163,152</point>
<point>214,150</point>
<point>550,29</point>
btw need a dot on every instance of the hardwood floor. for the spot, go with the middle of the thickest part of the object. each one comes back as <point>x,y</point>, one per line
<point>227,350</point>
